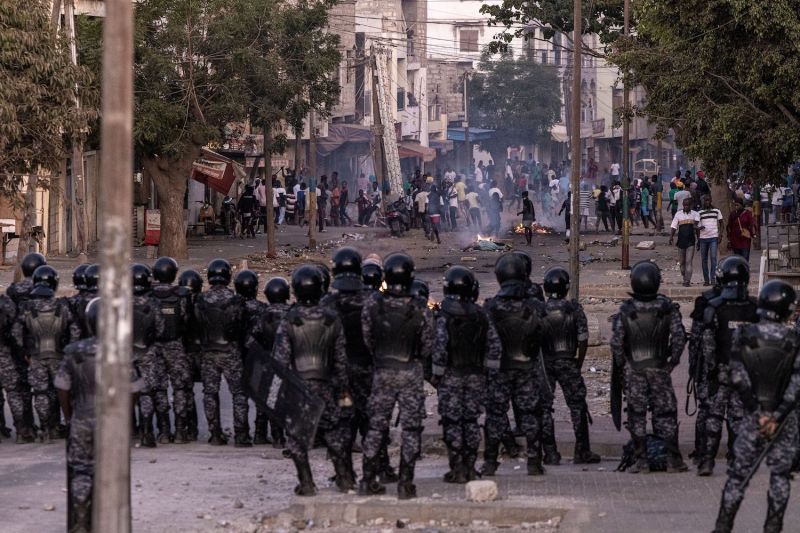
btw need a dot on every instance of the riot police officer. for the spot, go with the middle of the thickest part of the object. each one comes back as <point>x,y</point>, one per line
<point>246,285</point>
<point>466,346</point>
<point>518,319</point>
<point>263,330</point>
<point>173,301</point>
<point>765,374</point>
<point>11,376</point>
<point>647,341</point>
<point>731,309</point>
<point>192,344</point>
<point>564,350</point>
<point>75,382</point>
<point>148,327</point>
<point>92,278</point>
<point>372,273</point>
<point>77,302</point>
<point>534,289</point>
<point>44,325</point>
<point>399,335</point>
<point>311,341</point>
<point>698,380</point>
<point>220,313</point>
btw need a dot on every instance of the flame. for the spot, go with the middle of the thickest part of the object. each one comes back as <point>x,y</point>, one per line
<point>519,229</point>
<point>384,286</point>
<point>479,238</point>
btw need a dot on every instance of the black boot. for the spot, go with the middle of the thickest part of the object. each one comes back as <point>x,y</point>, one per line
<point>278,438</point>
<point>583,452</point>
<point>406,489</point>
<point>512,449</point>
<point>5,431</point>
<point>306,486</point>
<point>640,464</point>
<point>535,467</point>
<point>216,438</point>
<point>181,435</point>
<point>26,435</point>
<point>469,465</point>
<point>551,455</point>
<point>369,485</point>
<point>457,474</point>
<point>705,467</point>
<point>774,521</point>
<point>675,462</point>
<point>260,434</point>
<point>164,430</point>
<point>241,438</point>
<point>385,471</point>
<point>191,420</point>
<point>490,463</point>
<point>81,518</point>
<point>345,480</point>
<point>148,440</point>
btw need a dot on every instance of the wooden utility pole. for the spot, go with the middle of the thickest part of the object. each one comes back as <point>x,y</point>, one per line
<point>378,156</point>
<point>112,498</point>
<point>575,145</point>
<point>269,223</point>
<point>659,186</point>
<point>468,170</point>
<point>312,183</point>
<point>626,160</point>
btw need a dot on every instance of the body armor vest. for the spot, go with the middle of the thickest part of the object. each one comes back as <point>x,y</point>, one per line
<point>216,324</point>
<point>730,315</point>
<point>562,337</point>
<point>313,341</point>
<point>269,327</point>
<point>46,328</point>
<point>647,333</point>
<point>144,327</point>
<point>769,364</point>
<point>357,351</point>
<point>396,332</point>
<point>467,329</point>
<point>169,302</point>
<point>518,331</point>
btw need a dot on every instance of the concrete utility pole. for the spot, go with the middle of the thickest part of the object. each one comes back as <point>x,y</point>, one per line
<point>112,483</point>
<point>269,224</point>
<point>575,146</point>
<point>378,156</point>
<point>312,183</point>
<point>626,160</point>
<point>467,146</point>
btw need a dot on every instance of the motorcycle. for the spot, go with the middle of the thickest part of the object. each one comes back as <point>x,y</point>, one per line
<point>398,218</point>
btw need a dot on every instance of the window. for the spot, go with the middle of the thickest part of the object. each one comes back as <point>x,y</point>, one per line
<point>544,56</point>
<point>469,41</point>
<point>367,103</point>
<point>401,99</point>
<point>348,66</point>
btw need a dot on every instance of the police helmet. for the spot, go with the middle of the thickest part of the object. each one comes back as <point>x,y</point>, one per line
<point>142,278</point>
<point>509,268</point>
<point>79,277</point>
<point>91,315</point>
<point>347,269</point>
<point>45,281</point>
<point>525,259</point>
<point>326,276</point>
<point>556,282</point>
<point>645,280</point>
<point>733,271</point>
<point>776,301</point>
<point>372,273</point>
<point>165,269</point>
<point>307,284</point>
<point>219,272</point>
<point>420,290</point>
<point>459,282</point>
<point>277,291</point>
<point>92,276</point>
<point>476,290</point>
<point>398,271</point>
<point>31,262</point>
<point>191,279</point>
<point>246,284</point>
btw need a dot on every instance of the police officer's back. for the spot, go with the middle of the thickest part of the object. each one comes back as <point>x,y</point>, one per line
<point>19,291</point>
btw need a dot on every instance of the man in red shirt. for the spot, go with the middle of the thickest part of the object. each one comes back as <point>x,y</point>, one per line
<point>741,229</point>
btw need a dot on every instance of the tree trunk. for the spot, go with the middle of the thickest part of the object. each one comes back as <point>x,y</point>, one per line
<point>298,145</point>
<point>169,177</point>
<point>27,243</point>
<point>721,199</point>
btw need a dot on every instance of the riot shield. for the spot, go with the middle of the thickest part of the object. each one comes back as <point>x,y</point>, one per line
<point>616,394</point>
<point>283,395</point>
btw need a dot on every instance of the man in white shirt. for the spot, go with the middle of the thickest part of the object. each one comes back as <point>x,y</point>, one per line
<point>261,197</point>
<point>614,172</point>
<point>279,201</point>
<point>708,243</point>
<point>478,175</point>
<point>493,188</point>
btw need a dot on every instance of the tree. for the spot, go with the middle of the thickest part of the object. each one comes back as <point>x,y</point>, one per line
<point>518,98</point>
<point>37,104</point>
<point>721,75</point>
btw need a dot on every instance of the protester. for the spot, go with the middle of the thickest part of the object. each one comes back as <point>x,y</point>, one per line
<point>741,229</point>
<point>685,223</point>
<point>710,222</point>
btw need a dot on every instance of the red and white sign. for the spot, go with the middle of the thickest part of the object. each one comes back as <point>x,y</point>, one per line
<point>152,227</point>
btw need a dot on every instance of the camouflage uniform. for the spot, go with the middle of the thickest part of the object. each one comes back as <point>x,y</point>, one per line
<point>253,310</point>
<point>466,344</point>
<point>262,330</point>
<point>219,312</point>
<point>148,360</point>
<point>192,345</point>
<point>516,381</point>
<point>45,325</point>
<point>697,370</point>
<point>333,426</point>
<point>648,382</point>
<point>561,366</point>
<point>19,292</point>
<point>77,306</point>
<point>396,382</point>
<point>174,306</point>
<point>781,404</point>
<point>76,375</point>
<point>10,375</point>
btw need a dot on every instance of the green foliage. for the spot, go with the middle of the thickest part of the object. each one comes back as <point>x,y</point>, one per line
<point>518,98</point>
<point>519,17</point>
<point>37,94</point>
<point>722,75</point>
